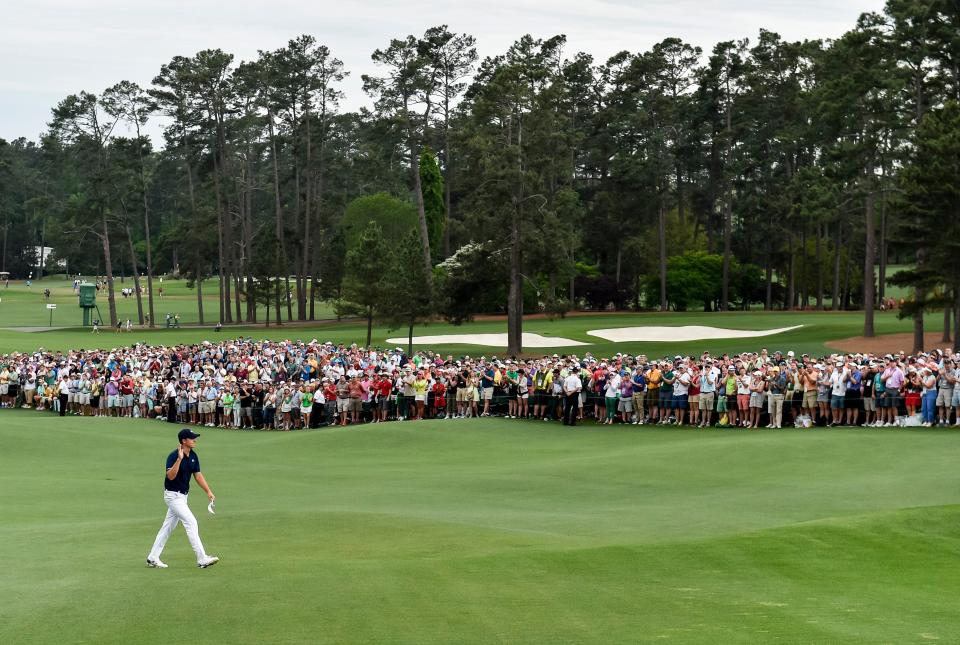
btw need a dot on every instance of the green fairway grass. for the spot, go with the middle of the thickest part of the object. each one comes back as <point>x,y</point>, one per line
<point>26,307</point>
<point>23,317</point>
<point>818,329</point>
<point>480,531</point>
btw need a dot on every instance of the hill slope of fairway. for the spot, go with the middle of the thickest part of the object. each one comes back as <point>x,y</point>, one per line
<point>483,531</point>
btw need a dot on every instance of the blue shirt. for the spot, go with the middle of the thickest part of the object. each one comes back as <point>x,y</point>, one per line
<point>486,379</point>
<point>639,382</point>
<point>853,384</point>
<point>188,466</point>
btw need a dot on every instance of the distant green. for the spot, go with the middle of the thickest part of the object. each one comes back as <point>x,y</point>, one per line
<point>483,531</point>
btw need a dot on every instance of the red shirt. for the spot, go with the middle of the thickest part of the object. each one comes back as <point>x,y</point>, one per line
<point>356,389</point>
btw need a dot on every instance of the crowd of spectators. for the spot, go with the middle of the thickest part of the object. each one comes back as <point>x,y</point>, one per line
<point>289,385</point>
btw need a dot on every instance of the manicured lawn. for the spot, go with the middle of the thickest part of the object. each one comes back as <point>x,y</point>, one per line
<point>483,531</point>
<point>818,329</point>
<point>23,307</point>
<point>20,307</point>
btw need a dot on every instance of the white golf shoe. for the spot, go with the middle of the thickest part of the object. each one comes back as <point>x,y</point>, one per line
<point>156,564</point>
<point>209,561</point>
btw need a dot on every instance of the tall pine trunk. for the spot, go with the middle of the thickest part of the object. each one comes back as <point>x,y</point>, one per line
<point>768,272</point>
<point>136,277</point>
<point>662,244</point>
<point>146,229</point>
<point>410,337</point>
<point>369,326</point>
<point>108,269</point>
<point>956,316</point>
<point>251,289</point>
<point>298,276</point>
<point>515,288</point>
<point>447,178</point>
<point>918,332</point>
<point>418,191</point>
<point>838,246</point>
<point>515,292</point>
<point>882,277</point>
<point>289,300</point>
<point>3,257</point>
<point>727,225</point>
<point>307,217</point>
<point>198,226</point>
<point>199,282</point>
<point>947,308</point>
<point>278,212</point>
<point>920,295</point>
<point>224,304</point>
<point>789,299</point>
<point>868,262</point>
<point>819,253</point>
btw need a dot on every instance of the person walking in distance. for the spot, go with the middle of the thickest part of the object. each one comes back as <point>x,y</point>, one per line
<point>181,464</point>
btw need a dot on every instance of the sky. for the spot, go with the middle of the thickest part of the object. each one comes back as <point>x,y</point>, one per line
<point>52,48</point>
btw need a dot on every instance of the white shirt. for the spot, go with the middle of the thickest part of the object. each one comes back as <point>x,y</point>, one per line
<point>682,383</point>
<point>612,389</point>
<point>572,384</point>
<point>838,382</point>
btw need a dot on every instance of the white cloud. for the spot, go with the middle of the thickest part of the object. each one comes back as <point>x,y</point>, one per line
<point>52,48</point>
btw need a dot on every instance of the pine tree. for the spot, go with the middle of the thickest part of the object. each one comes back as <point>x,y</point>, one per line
<point>432,183</point>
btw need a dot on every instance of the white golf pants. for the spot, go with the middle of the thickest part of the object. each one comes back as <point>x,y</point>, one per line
<point>177,511</point>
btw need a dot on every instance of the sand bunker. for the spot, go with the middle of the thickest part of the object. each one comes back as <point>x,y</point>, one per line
<point>487,340</point>
<point>679,334</point>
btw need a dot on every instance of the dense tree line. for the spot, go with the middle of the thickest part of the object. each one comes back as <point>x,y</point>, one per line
<point>787,174</point>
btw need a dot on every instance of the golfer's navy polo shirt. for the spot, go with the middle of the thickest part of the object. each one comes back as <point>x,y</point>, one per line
<point>189,465</point>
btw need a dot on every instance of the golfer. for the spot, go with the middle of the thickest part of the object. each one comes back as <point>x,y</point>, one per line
<point>181,463</point>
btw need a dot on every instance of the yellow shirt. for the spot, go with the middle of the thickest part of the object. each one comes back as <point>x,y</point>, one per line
<point>653,379</point>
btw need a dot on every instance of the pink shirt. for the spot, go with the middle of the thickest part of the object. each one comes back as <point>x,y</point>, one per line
<point>893,378</point>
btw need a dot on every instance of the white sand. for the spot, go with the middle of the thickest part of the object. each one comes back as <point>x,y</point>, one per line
<point>487,340</point>
<point>676,334</point>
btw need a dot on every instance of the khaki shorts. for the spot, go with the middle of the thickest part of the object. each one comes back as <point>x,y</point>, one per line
<point>462,394</point>
<point>869,404</point>
<point>809,399</point>
<point>706,400</point>
<point>487,393</point>
<point>944,398</point>
<point>207,407</point>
